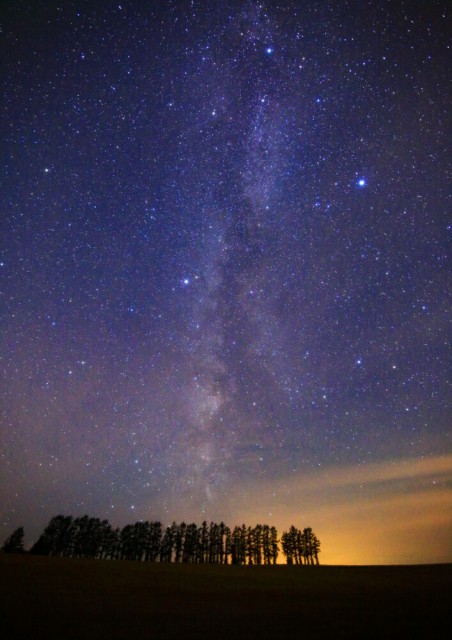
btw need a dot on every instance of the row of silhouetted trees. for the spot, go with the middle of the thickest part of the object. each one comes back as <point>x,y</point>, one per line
<point>87,537</point>
<point>300,547</point>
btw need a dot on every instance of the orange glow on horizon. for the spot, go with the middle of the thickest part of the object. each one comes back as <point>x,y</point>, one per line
<point>396,512</point>
<point>389,513</point>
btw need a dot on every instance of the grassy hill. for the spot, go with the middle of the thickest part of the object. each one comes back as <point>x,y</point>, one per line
<point>67,599</point>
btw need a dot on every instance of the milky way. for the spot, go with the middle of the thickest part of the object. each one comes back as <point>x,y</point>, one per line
<point>223,253</point>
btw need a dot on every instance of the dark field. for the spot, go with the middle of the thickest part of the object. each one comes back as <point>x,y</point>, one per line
<point>66,598</point>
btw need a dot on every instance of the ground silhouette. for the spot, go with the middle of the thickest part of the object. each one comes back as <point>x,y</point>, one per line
<point>48,597</point>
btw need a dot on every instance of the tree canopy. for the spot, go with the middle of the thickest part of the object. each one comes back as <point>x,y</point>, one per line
<point>180,543</point>
<point>15,542</point>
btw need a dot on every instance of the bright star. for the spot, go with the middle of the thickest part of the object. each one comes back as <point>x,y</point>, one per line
<point>361,183</point>
<point>269,50</point>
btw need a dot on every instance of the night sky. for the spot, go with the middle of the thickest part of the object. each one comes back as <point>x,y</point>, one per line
<point>224,286</point>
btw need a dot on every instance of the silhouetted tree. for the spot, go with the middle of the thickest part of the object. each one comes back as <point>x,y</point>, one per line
<point>145,541</point>
<point>15,542</point>
<point>87,537</point>
<point>179,542</point>
<point>235,545</point>
<point>300,547</point>
<point>190,546</point>
<point>227,544</point>
<point>238,545</point>
<point>142,530</point>
<point>235,542</point>
<point>167,544</point>
<point>311,546</point>
<point>258,544</point>
<point>287,545</point>
<point>129,542</point>
<point>224,534</point>
<point>243,544</point>
<point>111,544</point>
<point>153,541</point>
<point>315,548</point>
<point>305,545</point>
<point>56,538</point>
<point>203,543</point>
<point>274,548</point>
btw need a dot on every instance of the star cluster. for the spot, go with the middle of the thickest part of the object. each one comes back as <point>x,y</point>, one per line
<point>223,253</point>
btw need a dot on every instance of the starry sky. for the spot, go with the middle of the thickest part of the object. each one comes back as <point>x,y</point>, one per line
<point>224,284</point>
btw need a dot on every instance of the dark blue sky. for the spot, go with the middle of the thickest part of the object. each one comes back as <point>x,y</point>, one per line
<point>223,250</point>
